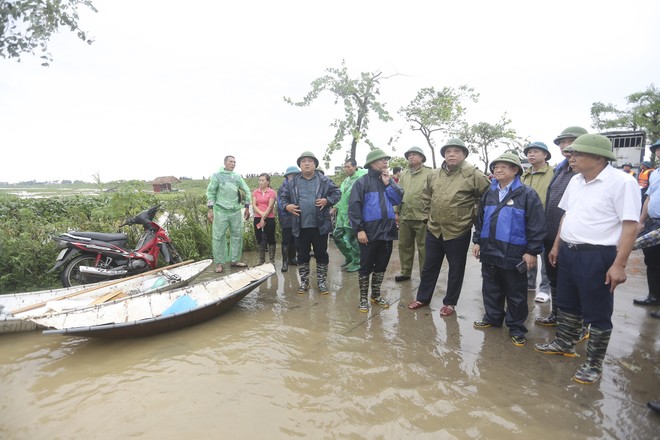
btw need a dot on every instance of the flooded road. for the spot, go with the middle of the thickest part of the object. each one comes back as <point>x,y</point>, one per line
<point>283,365</point>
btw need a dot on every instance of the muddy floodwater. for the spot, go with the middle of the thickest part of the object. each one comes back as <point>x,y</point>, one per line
<point>283,365</point>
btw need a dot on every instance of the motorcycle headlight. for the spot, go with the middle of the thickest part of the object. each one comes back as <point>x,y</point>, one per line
<point>61,244</point>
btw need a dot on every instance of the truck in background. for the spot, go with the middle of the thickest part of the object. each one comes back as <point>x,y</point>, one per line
<point>628,147</point>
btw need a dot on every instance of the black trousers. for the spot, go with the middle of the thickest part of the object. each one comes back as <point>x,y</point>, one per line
<point>436,249</point>
<point>269,230</point>
<point>375,256</point>
<point>582,289</point>
<point>502,286</point>
<point>287,236</point>
<point>309,238</point>
<point>652,261</point>
<point>550,270</point>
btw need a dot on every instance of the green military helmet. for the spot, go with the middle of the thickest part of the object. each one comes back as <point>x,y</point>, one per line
<point>596,144</point>
<point>417,150</point>
<point>454,142</point>
<point>510,158</point>
<point>570,133</point>
<point>654,147</point>
<point>540,146</point>
<point>310,155</point>
<point>374,155</point>
<point>291,170</point>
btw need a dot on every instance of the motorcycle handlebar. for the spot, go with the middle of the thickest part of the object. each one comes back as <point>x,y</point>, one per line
<point>143,217</point>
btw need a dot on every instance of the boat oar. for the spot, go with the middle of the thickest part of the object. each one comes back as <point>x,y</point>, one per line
<point>108,296</point>
<point>91,289</point>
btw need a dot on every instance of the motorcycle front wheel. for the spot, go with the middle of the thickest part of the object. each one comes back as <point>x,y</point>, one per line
<point>71,275</point>
<point>175,257</point>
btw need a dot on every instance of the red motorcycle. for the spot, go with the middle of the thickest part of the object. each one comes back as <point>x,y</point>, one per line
<point>89,257</point>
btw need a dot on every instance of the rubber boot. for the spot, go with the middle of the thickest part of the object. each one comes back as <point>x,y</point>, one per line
<point>584,332</point>
<point>262,253</point>
<point>551,319</point>
<point>376,298</point>
<point>285,257</point>
<point>355,257</point>
<point>271,252</point>
<point>363,281</point>
<point>345,251</point>
<point>321,274</point>
<point>568,332</point>
<point>293,260</point>
<point>303,270</point>
<point>591,371</point>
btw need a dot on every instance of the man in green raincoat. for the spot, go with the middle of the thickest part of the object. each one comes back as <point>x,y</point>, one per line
<point>226,195</point>
<point>344,235</point>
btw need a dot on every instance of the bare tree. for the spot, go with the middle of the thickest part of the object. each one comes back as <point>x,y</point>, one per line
<point>442,111</point>
<point>360,99</point>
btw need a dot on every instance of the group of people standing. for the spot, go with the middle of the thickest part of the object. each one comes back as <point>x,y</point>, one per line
<point>581,217</point>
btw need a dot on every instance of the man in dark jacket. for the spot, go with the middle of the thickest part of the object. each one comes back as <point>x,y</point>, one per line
<point>288,248</point>
<point>508,235</point>
<point>371,213</point>
<point>561,176</point>
<point>309,197</point>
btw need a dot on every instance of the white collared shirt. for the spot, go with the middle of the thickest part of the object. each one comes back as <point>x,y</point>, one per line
<point>596,210</point>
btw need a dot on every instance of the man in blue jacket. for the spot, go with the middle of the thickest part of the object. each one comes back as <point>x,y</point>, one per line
<point>508,236</point>
<point>309,197</point>
<point>371,213</point>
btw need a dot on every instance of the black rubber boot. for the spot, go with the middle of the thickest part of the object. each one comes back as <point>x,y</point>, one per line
<point>271,252</point>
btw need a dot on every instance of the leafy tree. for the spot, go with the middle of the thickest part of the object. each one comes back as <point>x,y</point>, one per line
<point>485,139</point>
<point>642,113</point>
<point>434,110</point>
<point>27,25</point>
<point>398,161</point>
<point>360,98</point>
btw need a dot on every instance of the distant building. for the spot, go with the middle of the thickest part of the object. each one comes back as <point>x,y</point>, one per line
<point>164,183</point>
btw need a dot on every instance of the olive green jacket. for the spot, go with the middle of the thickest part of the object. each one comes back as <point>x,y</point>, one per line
<point>539,180</point>
<point>412,183</point>
<point>451,199</point>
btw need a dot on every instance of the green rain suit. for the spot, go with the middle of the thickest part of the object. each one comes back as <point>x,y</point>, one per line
<point>227,194</point>
<point>344,235</point>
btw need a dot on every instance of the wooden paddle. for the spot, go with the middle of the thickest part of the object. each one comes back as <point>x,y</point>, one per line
<point>109,283</point>
<point>108,296</point>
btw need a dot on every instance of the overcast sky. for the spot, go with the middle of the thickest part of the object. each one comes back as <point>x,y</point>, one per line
<point>170,88</point>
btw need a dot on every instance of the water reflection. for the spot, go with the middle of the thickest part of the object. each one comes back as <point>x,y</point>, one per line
<point>286,365</point>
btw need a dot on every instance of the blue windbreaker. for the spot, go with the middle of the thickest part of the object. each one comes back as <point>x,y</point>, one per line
<point>371,206</point>
<point>508,229</point>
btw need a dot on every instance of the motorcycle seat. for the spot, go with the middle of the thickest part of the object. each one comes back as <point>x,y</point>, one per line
<point>101,236</point>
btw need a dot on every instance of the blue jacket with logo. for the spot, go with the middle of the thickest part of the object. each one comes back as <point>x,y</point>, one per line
<point>508,229</point>
<point>371,206</point>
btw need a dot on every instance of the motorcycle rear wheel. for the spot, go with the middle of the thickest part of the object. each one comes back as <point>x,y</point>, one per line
<point>71,275</point>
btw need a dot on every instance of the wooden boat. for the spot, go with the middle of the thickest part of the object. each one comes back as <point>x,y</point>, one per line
<point>16,309</point>
<point>159,312</point>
